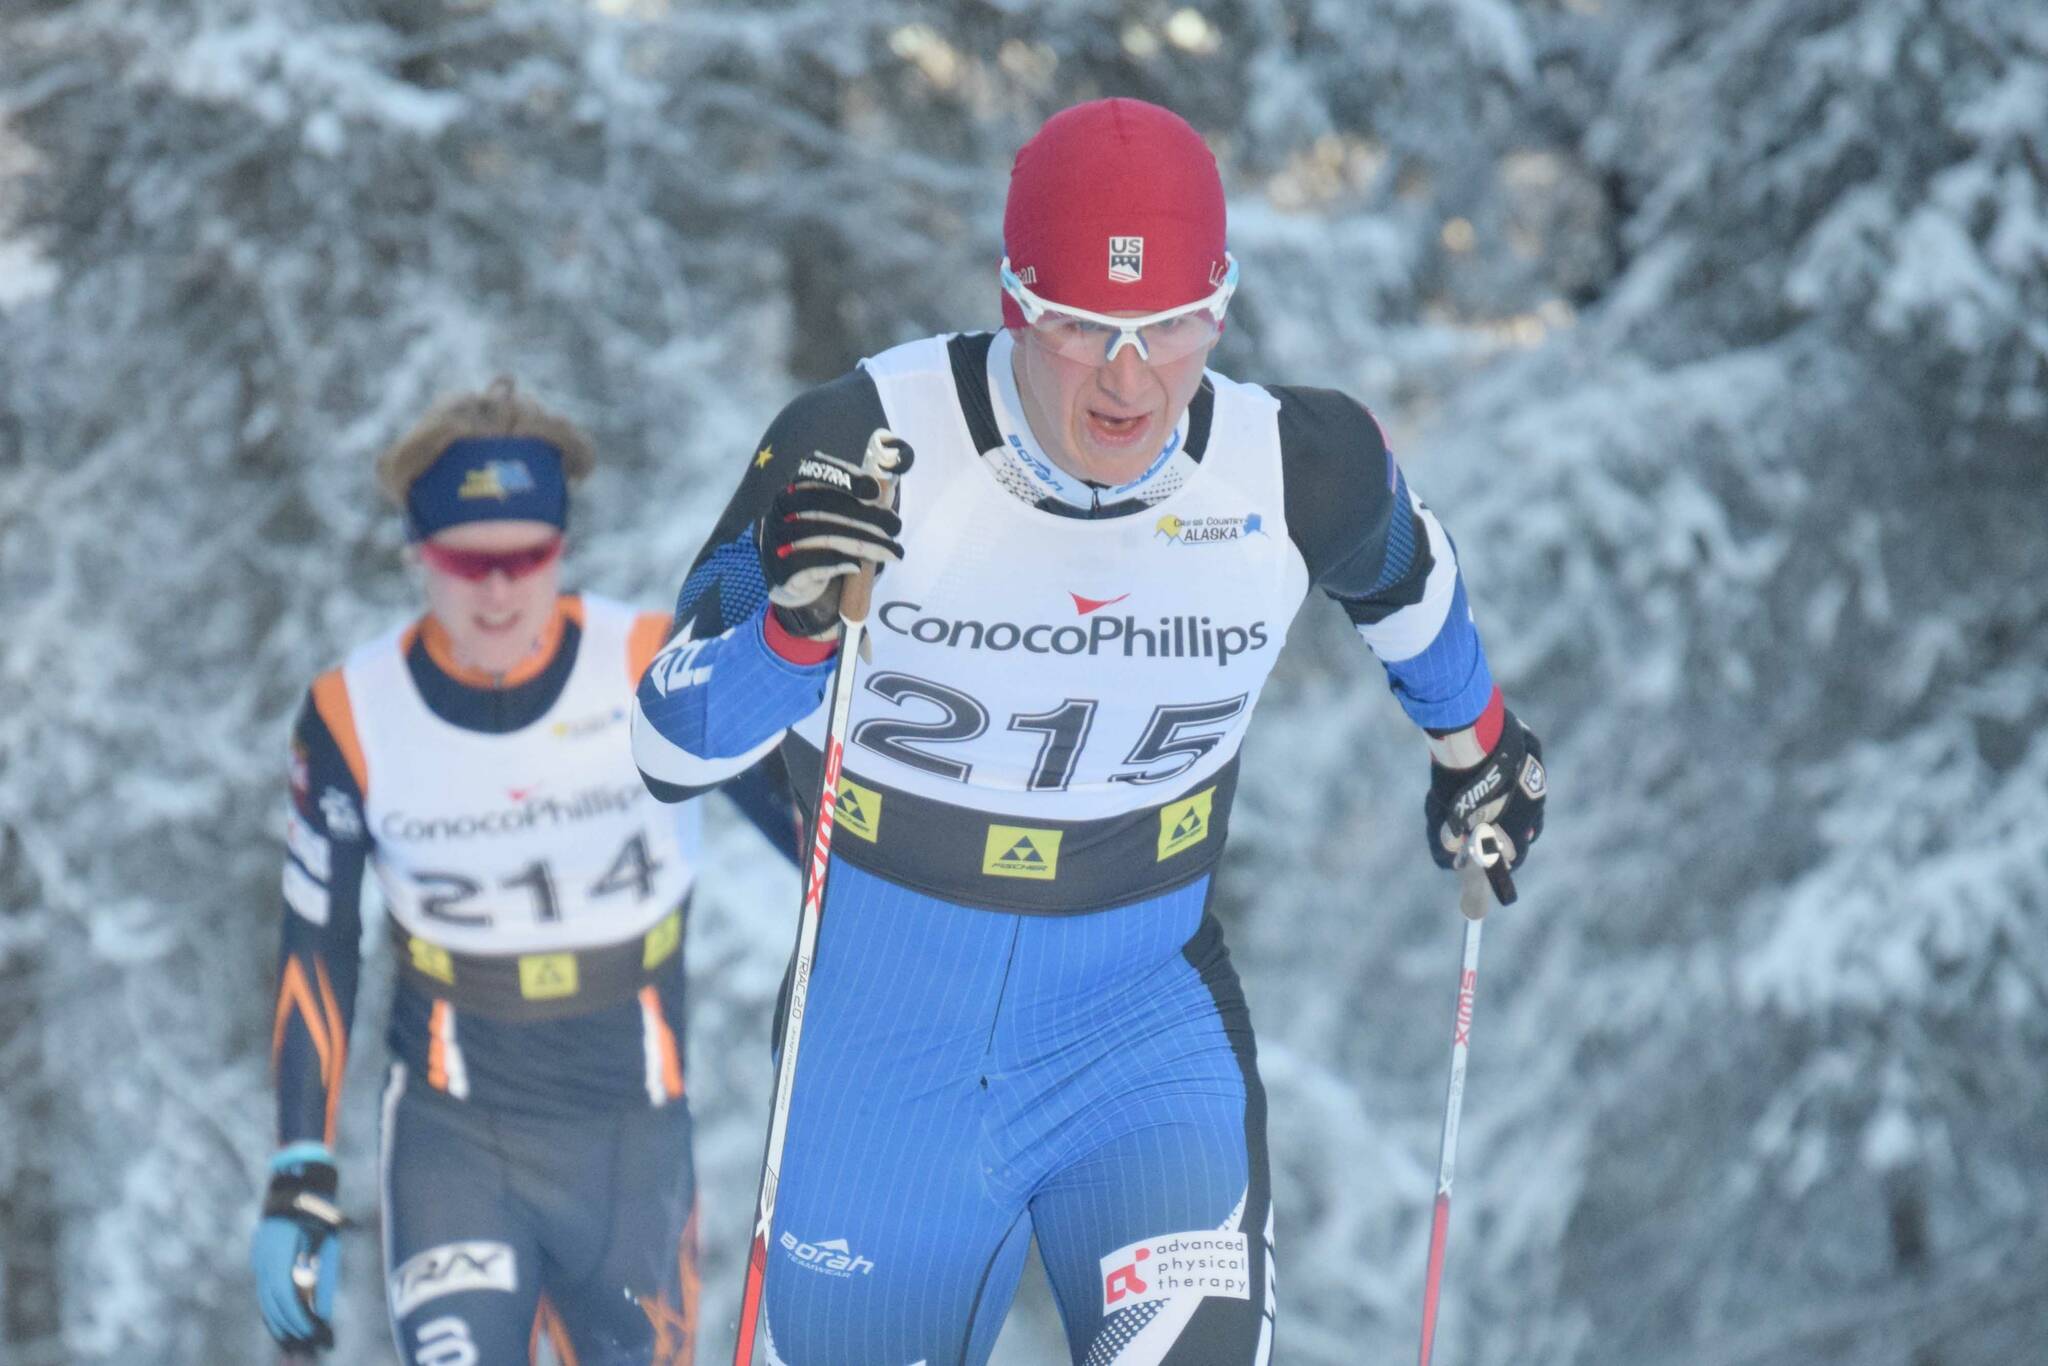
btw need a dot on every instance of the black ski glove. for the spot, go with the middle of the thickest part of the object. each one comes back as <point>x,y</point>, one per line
<point>832,518</point>
<point>1507,787</point>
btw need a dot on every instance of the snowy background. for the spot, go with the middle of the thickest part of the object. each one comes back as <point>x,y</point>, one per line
<point>1717,333</point>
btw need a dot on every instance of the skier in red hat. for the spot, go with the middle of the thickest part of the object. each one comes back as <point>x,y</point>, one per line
<point>1022,1021</point>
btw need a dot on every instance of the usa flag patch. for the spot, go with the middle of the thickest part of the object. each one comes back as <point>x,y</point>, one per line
<point>1126,259</point>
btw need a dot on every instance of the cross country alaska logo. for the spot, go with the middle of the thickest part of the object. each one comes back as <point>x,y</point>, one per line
<point>1208,530</point>
<point>1126,259</point>
<point>498,479</point>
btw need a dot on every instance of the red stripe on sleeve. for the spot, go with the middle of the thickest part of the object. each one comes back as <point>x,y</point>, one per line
<point>794,648</point>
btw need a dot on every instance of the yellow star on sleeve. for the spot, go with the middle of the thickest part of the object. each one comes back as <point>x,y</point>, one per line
<point>763,456</point>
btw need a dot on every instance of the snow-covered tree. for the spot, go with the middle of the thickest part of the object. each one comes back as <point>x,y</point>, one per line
<point>1715,333</point>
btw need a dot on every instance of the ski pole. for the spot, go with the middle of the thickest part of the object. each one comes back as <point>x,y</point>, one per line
<point>1482,863</point>
<point>879,460</point>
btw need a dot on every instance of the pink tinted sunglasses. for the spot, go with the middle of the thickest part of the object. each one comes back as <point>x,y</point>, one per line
<point>477,565</point>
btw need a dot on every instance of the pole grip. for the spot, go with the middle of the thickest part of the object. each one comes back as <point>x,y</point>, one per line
<point>1484,873</point>
<point>857,594</point>
<point>879,460</point>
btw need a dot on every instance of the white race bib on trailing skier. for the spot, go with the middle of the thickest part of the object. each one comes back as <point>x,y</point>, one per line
<point>543,838</point>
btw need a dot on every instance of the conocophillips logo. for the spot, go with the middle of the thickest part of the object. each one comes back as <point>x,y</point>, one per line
<point>1178,637</point>
<point>1208,530</point>
<point>529,814</point>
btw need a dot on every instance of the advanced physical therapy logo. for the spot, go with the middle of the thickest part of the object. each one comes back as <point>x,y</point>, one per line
<point>528,812</point>
<point>1207,530</point>
<point>1212,1262</point>
<point>1175,637</point>
<point>498,479</point>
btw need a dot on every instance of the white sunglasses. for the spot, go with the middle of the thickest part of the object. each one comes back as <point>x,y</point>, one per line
<point>1095,338</point>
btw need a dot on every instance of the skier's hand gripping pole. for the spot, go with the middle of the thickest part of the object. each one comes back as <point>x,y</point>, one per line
<point>887,457</point>
<point>296,1252</point>
<point>1483,877</point>
<point>832,525</point>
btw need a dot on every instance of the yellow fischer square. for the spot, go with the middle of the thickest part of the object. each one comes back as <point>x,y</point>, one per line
<point>859,811</point>
<point>547,976</point>
<point>1184,824</point>
<point>431,959</point>
<point>1021,851</point>
<point>661,941</point>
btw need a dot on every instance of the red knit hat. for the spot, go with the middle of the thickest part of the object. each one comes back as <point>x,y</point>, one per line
<point>1115,204</point>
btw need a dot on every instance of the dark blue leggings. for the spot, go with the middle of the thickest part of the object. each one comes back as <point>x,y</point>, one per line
<point>501,1227</point>
<point>971,1079</point>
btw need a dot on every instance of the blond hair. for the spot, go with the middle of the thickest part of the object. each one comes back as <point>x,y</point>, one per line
<point>499,410</point>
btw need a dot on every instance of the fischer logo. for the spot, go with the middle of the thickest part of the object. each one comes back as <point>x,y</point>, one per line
<point>833,1257</point>
<point>1177,637</point>
<point>1209,1263</point>
<point>531,813</point>
<point>1468,986</point>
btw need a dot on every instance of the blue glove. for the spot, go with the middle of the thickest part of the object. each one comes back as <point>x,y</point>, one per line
<point>295,1255</point>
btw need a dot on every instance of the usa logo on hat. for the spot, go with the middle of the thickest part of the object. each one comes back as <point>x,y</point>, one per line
<point>1126,259</point>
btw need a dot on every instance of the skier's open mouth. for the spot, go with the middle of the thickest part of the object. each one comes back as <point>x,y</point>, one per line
<point>497,626</point>
<point>1112,430</point>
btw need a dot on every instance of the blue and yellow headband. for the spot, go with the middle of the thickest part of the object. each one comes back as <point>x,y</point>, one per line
<point>489,479</point>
